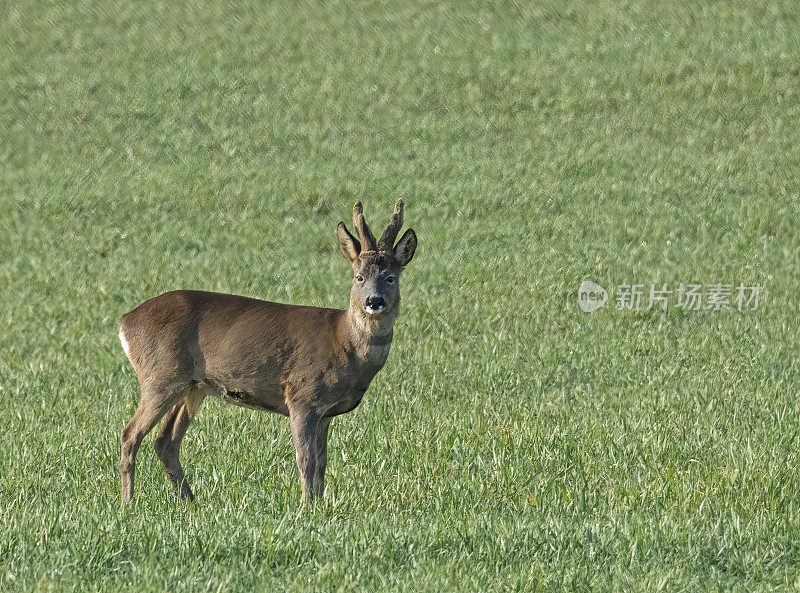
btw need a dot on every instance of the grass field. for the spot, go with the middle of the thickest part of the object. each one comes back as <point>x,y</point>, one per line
<point>512,442</point>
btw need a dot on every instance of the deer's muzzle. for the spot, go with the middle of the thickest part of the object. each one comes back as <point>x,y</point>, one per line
<point>374,305</point>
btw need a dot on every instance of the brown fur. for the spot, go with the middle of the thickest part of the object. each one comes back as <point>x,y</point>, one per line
<point>307,363</point>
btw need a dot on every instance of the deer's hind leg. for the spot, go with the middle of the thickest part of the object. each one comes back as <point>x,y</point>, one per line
<point>155,402</point>
<point>168,442</point>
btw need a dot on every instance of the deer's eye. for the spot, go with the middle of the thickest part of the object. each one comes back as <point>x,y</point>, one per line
<point>359,279</point>
<point>390,280</point>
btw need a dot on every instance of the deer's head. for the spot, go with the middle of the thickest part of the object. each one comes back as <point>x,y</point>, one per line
<point>377,264</point>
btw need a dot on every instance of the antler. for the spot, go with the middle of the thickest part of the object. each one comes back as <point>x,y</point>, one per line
<point>395,224</point>
<point>365,236</point>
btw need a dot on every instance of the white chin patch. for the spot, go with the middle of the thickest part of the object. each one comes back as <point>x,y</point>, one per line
<point>373,310</point>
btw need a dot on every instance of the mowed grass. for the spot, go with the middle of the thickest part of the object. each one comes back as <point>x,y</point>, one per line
<point>512,442</point>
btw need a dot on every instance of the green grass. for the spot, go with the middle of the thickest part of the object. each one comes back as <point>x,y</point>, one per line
<point>511,443</point>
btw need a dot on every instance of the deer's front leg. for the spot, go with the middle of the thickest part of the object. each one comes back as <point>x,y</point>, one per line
<point>318,487</point>
<point>304,434</point>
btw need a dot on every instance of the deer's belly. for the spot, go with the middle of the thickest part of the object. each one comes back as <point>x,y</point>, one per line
<point>246,398</point>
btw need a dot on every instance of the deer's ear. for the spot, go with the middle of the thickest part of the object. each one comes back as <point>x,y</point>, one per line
<point>348,244</point>
<point>405,248</point>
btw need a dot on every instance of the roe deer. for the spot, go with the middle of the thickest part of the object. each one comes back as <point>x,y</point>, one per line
<point>307,363</point>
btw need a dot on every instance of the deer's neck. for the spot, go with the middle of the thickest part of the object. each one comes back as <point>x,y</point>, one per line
<point>369,336</point>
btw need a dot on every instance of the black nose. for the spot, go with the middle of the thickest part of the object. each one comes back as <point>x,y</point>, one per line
<point>375,302</point>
